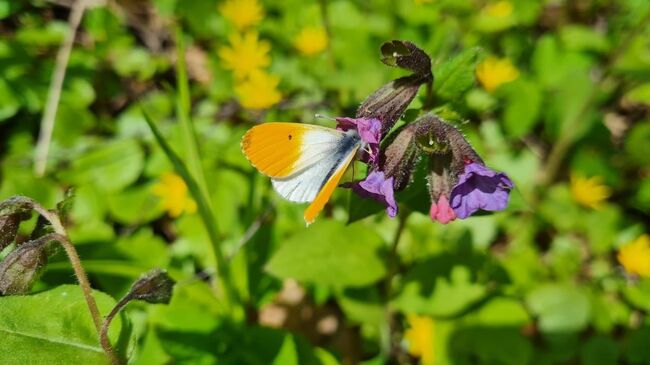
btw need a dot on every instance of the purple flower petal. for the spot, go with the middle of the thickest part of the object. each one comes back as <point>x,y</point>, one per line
<point>369,130</point>
<point>378,188</point>
<point>479,187</point>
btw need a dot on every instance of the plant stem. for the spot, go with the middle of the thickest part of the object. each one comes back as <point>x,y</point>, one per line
<point>54,91</point>
<point>79,272</point>
<point>229,294</point>
<point>103,333</point>
<point>393,269</point>
<point>569,134</point>
<point>328,30</point>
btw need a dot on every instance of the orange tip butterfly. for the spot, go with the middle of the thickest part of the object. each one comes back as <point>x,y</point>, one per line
<point>305,162</point>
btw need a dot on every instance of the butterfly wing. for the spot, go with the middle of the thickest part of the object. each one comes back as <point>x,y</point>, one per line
<point>305,162</point>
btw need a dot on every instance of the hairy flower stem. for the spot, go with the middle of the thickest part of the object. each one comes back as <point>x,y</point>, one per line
<point>103,332</point>
<point>390,340</point>
<point>79,272</point>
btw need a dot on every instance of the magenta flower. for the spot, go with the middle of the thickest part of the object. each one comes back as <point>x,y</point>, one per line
<point>378,188</point>
<point>479,187</point>
<point>369,130</point>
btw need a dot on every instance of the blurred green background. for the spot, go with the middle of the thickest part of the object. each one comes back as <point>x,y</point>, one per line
<point>555,93</point>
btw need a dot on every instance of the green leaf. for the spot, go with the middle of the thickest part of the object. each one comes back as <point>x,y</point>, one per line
<point>636,349</point>
<point>10,103</point>
<point>637,143</point>
<point>110,167</point>
<point>561,308</point>
<point>599,350</point>
<point>330,253</point>
<point>54,327</point>
<point>639,94</point>
<point>638,294</point>
<point>134,205</point>
<point>440,286</point>
<point>523,107</point>
<point>456,76</point>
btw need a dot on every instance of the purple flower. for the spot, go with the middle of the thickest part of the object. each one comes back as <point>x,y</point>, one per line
<point>378,188</point>
<point>479,187</point>
<point>369,130</point>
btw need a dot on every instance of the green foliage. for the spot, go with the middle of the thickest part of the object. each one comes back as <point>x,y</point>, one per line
<point>55,326</point>
<point>549,280</point>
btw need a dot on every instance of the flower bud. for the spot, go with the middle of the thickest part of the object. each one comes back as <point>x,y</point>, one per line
<point>20,269</point>
<point>153,287</point>
<point>400,156</point>
<point>12,212</point>
<point>391,100</point>
<point>406,55</point>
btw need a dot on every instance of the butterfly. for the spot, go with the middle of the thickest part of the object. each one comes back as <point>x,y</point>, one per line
<point>305,162</point>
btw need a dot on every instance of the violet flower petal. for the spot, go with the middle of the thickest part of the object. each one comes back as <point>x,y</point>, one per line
<point>479,187</point>
<point>378,188</point>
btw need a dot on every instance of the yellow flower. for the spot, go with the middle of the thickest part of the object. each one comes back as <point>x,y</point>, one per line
<point>259,91</point>
<point>173,194</point>
<point>635,256</point>
<point>245,55</point>
<point>494,72</point>
<point>242,13</point>
<point>589,192</point>
<point>311,40</point>
<point>420,338</point>
<point>500,9</point>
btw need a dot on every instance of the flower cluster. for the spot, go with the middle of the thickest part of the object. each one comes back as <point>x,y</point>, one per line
<point>248,56</point>
<point>459,182</point>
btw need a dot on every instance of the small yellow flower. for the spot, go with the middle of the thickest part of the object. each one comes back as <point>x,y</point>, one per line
<point>245,55</point>
<point>311,40</point>
<point>174,195</point>
<point>259,91</point>
<point>419,337</point>
<point>635,256</point>
<point>242,13</point>
<point>494,72</point>
<point>500,9</point>
<point>589,192</point>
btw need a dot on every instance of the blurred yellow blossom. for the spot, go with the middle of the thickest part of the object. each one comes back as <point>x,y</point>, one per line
<point>174,195</point>
<point>242,13</point>
<point>635,256</point>
<point>500,9</point>
<point>589,192</point>
<point>311,40</point>
<point>245,55</point>
<point>419,338</point>
<point>494,72</point>
<point>259,91</point>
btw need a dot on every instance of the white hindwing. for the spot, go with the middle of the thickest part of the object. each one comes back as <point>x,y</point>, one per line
<point>324,151</point>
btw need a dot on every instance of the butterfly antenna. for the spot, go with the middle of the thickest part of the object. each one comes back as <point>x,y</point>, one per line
<point>321,116</point>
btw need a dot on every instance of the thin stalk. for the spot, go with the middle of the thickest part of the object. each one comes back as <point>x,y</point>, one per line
<point>183,106</point>
<point>79,272</point>
<point>569,134</point>
<point>54,91</point>
<point>328,30</point>
<point>393,269</point>
<point>103,333</point>
<point>205,212</point>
